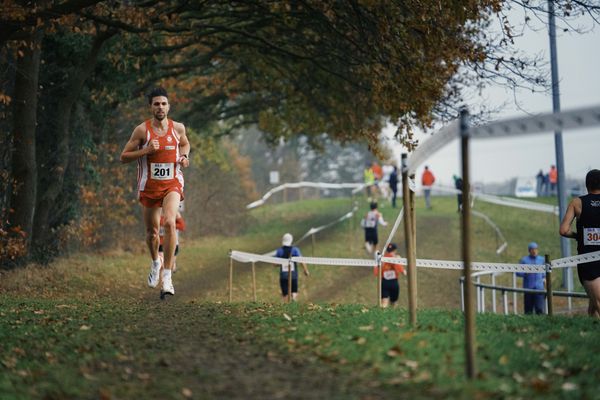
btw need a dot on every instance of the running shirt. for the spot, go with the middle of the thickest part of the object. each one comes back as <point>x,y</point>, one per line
<point>389,271</point>
<point>372,218</point>
<point>160,171</point>
<point>588,236</point>
<point>588,224</point>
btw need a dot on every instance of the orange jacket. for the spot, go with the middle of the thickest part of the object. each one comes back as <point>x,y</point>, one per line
<point>553,175</point>
<point>427,178</point>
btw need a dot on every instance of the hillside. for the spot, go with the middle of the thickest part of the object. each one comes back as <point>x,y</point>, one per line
<point>86,327</point>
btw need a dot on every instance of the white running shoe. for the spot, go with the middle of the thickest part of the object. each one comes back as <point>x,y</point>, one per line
<point>154,275</point>
<point>167,284</point>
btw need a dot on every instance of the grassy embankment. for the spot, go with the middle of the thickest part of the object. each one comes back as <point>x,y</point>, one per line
<point>85,327</point>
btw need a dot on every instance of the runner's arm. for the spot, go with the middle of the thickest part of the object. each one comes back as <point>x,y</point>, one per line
<point>565,225</point>
<point>131,151</point>
<point>184,145</point>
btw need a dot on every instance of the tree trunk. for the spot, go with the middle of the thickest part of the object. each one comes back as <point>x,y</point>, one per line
<point>51,184</point>
<point>23,198</point>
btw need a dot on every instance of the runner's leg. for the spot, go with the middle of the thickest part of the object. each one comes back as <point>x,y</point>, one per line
<point>593,290</point>
<point>152,222</point>
<point>170,206</point>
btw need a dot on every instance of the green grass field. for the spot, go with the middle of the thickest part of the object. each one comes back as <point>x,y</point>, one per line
<point>86,327</point>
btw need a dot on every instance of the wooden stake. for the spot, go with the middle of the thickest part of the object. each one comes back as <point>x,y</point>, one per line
<point>230,279</point>
<point>470,347</point>
<point>549,285</point>
<point>254,280</point>
<point>408,239</point>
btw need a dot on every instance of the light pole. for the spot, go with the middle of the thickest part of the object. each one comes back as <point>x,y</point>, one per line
<point>565,248</point>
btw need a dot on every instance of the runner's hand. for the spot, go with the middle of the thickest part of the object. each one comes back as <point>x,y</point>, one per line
<point>184,161</point>
<point>153,146</point>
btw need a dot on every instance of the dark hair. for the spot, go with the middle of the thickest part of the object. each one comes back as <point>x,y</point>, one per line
<point>157,91</point>
<point>391,247</point>
<point>592,180</point>
<point>373,205</point>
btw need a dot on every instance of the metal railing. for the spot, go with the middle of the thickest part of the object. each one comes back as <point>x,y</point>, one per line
<point>505,291</point>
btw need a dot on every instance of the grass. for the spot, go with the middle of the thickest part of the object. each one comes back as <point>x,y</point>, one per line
<point>87,328</point>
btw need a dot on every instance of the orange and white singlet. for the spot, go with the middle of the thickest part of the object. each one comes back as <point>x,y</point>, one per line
<point>160,171</point>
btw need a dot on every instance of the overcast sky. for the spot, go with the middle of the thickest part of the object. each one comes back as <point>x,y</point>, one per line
<point>496,160</point>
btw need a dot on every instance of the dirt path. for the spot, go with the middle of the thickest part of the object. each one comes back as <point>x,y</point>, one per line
<point>216,354</point>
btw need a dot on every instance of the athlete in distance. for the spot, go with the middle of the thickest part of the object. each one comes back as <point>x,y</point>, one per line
<point>160,147</point>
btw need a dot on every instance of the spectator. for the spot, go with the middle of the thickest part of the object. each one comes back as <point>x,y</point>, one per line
<point>539,183</point>
<point>458,184</point>
<point>394,185</point>
<point>586,209</point>
<point>546,185</point>
<point>553,179</point>
<point>390,287</point>
<point>369,179</point>
<point>534,302</point>
<point>427,180</point>
<point>287,251</point>
<point>369,223</point>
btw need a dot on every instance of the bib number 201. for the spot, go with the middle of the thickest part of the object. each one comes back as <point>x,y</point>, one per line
<point>162,171</point>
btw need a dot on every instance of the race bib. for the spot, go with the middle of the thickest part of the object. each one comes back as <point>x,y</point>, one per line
<point>591,236</point>
<point>389,274</point>
<point>370,223</point>
<point>162,171</point>
<point>284,268</point>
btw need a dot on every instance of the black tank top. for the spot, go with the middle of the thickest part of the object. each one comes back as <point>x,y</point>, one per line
<point>588,224</point>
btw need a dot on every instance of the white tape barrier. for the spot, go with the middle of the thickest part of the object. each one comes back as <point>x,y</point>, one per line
<point>356,187</point>
<point>491,223</point>
<point>566,120</point>
<point>574,260</point>
<point>394,228</point>
<point>344,217</point>
<point>244,257</point>
<point>424,263</point>
<point>504,201</point>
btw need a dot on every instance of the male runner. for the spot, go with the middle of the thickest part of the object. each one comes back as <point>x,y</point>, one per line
<point>160,147</point>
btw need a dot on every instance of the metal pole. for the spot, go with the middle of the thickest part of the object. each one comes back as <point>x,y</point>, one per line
<point>254,280</point>
<point>514,283</point>
<point>466,249</point>
<point>549,285</point>
<point>412,290</point>
<point>565,248</point>
<point>230,279</point>
<point>494,293</point>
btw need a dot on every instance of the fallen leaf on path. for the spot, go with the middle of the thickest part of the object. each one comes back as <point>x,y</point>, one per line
<point>187,393</point>
<point>287,317</point>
